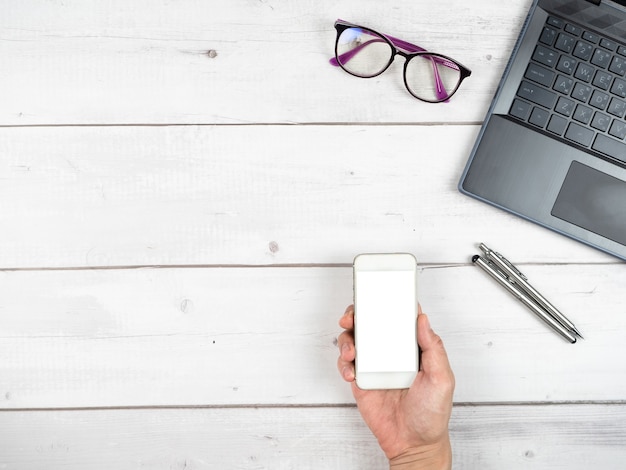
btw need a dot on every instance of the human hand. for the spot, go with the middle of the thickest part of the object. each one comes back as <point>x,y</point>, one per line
<point>411,425</point>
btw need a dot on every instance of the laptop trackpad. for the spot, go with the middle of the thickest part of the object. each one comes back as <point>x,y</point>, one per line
<point>593,200</point>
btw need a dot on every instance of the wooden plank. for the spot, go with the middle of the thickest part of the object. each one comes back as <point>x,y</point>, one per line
<point>211,61</point>
<point>152,337</point>
<point>492,437</point>
<point>119,196</point>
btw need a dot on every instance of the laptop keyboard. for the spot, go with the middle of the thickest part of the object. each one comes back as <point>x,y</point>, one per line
<point>575,88</point>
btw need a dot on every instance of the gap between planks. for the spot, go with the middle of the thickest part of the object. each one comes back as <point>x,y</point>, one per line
<point>266,266</point>
<point>256,124</point>
<point>317,406</point>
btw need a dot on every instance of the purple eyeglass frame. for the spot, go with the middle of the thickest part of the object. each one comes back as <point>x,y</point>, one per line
<point>406,50</point>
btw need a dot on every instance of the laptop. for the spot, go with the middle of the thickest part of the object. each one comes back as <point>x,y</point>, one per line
<point>552,148</point>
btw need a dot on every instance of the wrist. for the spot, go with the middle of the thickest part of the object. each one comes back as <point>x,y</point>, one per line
<point>429,457</point>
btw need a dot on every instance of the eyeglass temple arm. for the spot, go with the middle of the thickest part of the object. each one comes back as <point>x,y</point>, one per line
<point>440,89</point>
<point>407,46</point>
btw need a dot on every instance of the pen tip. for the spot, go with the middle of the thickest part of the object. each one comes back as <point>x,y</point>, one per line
<point>475,258</point>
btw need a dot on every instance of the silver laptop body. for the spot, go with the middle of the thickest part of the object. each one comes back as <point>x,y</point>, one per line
<point>552,148</point>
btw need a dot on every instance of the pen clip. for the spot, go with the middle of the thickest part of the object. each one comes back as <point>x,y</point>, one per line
<point>490,254</point>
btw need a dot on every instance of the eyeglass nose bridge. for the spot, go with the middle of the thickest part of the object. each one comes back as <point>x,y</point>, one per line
<point>400,52</point>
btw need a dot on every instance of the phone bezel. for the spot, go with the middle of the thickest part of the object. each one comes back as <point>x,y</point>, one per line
<point>384,262</point>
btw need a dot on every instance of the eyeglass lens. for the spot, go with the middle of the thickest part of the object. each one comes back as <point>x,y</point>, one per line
<point>431,77</point>
<point>364,53</point>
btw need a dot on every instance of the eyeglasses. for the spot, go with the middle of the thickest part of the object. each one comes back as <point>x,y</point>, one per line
<point>364,53</point>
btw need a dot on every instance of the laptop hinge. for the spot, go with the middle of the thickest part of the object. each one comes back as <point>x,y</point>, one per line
<point>619,2</point>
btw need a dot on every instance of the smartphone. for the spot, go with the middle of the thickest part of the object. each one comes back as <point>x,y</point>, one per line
<point>385,320</point>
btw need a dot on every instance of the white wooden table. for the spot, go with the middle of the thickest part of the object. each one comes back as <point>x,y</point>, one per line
<point>183,187</point>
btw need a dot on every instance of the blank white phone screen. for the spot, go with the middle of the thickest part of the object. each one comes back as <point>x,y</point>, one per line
<point>385,321</point>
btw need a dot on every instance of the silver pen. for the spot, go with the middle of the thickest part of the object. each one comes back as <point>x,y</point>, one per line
<point>509,277</point>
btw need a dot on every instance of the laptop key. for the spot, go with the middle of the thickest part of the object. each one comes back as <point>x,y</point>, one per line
<point>545,56</point>
<point>539,74</point>
<point>536,94</point>
<point>557,125</point>
<point>601,122</point>
<point>618,129</point>
<point>583,50</point>
<point>520,109</point>
<point>584,72</point>
<point>566,65</point>
<point>617,107</point>
<point>556,22</point>
<point>564,106</point>
<point>548,36</point>
<point>579,134</point>
<point>565,43</point>
<point>575,30</point>
<point>581,92</point>
<point>583,114</point>
<point>602,80</point>
<point>608,44</point>
<point>601,58</point>
<point>618,66</point>
<point>591,37</point>
<point>563,84</point>
<point>539,117</point>
<point>610,147</point>
<point>619,88</point>
<point>599,100</point>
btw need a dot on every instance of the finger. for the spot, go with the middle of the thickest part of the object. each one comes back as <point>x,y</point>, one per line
<point>345,342</point>
<point>347,320</point>
<point>347,351</point>
<point>346,369</point>
<point>435,361</point>
<point>429,342</point>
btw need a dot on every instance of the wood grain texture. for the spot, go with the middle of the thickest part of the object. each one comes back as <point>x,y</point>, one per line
<point>266,336</point>
<point>492,438</point>
<point>119,196</point>
<point>183,186</point>
<point>149,62</point>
